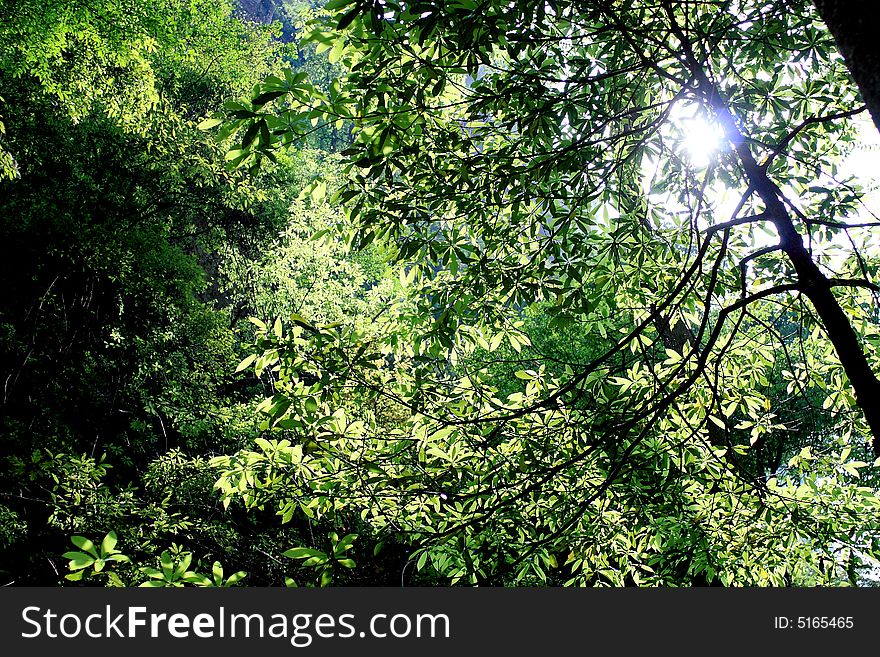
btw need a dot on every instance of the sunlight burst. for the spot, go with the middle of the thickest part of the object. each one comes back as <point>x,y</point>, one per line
<point>701,140</point>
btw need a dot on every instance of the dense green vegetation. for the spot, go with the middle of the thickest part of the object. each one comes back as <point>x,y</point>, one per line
<point>132,259</point>
<point>384,293</point>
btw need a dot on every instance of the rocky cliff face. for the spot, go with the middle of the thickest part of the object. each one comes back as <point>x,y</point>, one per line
<point>270,11</point>
<point>260,11</point>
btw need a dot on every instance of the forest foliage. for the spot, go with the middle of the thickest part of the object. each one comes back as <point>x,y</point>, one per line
<point>382,293</point>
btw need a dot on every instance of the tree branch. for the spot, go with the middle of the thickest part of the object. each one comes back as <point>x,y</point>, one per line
<point>853,282</point>
<point>813,120</point>
<point>724,225</point>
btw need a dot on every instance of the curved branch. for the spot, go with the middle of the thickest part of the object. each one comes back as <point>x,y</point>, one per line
<point>813,120</point>
<point>853,282</point>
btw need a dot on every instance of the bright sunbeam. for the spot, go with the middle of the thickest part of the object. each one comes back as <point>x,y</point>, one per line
<point>701,140</point>
<point>698,138</point>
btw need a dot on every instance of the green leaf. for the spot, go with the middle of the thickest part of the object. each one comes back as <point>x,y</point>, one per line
<point>302,553</point>
<point>338,4</point>
<point>267,96</point>
<point>250,135</point>
<point>78,560</point>
<point>345,543</point>
<point>208,124</point>
<point>166,562</point>
<point>236,577</point>
<point>302,321</point>
<point>109,543</point>
<point>348,19</point>
<point>316,561</point>
<point>84,544</point>
<point>196,578</point>
<point>247,362</point>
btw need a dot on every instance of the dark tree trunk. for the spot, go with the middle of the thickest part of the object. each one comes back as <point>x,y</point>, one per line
<point>853,23</point>
<point>811,281</point>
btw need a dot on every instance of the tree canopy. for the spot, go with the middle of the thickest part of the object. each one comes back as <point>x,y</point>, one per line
<point>483,292</point>
<point>531,161</point>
